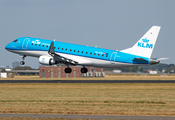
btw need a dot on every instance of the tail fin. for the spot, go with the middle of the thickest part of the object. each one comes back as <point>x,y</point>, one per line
<point>145,45</point>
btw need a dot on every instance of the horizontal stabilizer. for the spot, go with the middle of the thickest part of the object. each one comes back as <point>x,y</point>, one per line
<point>160,58</point>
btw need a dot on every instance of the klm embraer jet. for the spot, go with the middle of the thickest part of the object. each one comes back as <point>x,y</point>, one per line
<point>52,52</point>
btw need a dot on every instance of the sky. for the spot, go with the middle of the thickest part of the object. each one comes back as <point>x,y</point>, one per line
<point>110,24</point>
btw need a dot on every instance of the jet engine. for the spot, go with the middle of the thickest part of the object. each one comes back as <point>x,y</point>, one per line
<point>46,60</point>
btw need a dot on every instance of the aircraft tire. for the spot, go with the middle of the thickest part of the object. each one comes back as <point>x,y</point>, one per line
<point>84,70</point>
<point>67,70</point>
<point>22,62</point>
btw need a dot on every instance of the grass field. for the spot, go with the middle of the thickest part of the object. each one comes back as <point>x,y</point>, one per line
<point>101,99</point>
<point>11,118</point>
<point>107,77</point>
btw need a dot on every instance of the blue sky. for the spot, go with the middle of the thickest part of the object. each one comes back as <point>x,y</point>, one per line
<point>111,24</point>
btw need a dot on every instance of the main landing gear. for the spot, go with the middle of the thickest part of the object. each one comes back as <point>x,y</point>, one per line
<point>69,70</point>
<point>84,70</point>
<point>23,58</point>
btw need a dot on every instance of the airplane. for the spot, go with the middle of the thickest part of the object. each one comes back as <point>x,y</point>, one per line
<point>51,52</point>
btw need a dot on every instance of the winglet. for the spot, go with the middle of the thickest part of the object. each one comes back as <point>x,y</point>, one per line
<point>52,48</point>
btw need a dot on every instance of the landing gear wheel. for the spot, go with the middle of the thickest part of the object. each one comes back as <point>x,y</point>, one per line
<point>68,70</point>
<point>23,58</point>
<point>84,70</point>
<point>22,62</point>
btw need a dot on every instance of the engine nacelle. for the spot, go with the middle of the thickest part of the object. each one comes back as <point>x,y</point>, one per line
<point>46,60</point>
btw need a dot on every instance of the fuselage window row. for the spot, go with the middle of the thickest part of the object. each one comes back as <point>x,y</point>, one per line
<point>70,50</point>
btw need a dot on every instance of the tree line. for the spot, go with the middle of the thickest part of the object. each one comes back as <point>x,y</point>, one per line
<point>167,68</point>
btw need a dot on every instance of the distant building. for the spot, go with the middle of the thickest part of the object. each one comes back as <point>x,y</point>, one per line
<point>15,64</point>
<point>117,71</point>
<point>153,72</point>
<point>58,72</point>
<point>8,68</point>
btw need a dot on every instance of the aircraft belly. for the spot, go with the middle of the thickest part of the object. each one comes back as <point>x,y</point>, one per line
<point>84,61</point>
<point>30,53</point>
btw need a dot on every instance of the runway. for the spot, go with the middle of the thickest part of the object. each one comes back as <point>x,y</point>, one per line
<point>87,81</point>
<point>88,116</point>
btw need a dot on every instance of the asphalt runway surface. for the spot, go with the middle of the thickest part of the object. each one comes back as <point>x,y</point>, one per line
<point>119,117</point>
<point>87,81</point>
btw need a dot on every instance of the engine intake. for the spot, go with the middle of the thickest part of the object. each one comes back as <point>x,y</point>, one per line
<point>46,60</point>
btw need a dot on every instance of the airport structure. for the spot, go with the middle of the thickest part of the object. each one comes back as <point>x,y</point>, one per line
<point>58,72</point>
<point>15,64</point>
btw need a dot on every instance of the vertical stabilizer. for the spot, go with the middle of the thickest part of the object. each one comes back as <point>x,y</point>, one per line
<point>145,45</point>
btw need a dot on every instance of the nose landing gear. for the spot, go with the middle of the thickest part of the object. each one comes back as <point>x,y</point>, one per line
<point>23,58</point>
<point>22,62</point>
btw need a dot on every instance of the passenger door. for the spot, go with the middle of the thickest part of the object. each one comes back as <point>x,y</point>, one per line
<point>113,56</point>
<point>25,43</point>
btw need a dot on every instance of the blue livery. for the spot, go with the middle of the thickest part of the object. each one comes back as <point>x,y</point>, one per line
<point>52,52</point>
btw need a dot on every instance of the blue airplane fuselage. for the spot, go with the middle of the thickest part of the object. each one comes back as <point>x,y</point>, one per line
<point>84,55</point>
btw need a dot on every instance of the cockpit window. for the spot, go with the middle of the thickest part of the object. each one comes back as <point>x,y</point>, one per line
<point>15,41</point>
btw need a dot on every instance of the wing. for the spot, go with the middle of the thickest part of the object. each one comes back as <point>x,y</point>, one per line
<point>59,58</point>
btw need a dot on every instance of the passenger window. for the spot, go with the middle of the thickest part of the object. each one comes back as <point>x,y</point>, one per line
<point>43,45</point>
<point>62,49</point>
<point>90,53</point>
<point>78,51</point>
<point>94,53</point>
<point>74,50</point>
<point>58,48</point>
<point>47,46</point>
<point>65,49</point>
<point>32,44</point>
<point>102,55</point>
<point>39,45</point>
<point>35,44</point>
<point>70,50</point>
<point>98,54</point>
<point>82,52</point>
<point>86,52</point>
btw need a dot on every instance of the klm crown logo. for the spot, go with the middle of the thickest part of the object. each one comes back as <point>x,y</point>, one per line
<point>145,40</point>
<point>145,44</point>
<point>43,60</point>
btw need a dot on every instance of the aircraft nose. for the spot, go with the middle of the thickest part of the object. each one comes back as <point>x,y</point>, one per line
<point>7,46</point>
